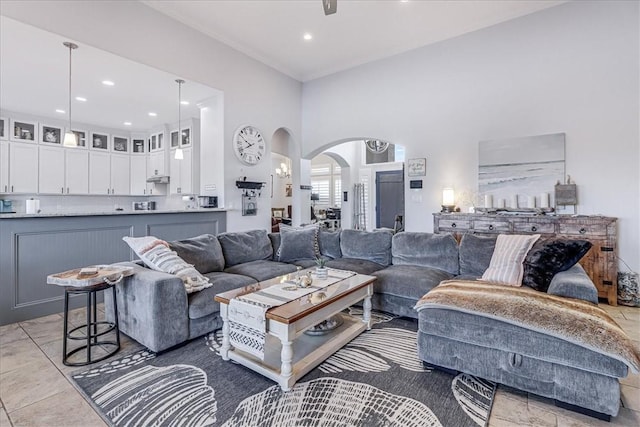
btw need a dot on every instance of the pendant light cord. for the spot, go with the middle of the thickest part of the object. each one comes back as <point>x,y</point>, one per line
<point>70,49</point>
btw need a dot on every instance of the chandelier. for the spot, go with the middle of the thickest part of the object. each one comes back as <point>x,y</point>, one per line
<point>283,171</point>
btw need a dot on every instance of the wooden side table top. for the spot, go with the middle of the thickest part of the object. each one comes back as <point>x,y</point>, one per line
<point>104,274</point>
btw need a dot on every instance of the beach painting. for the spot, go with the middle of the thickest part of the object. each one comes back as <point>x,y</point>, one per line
<point>523,169</point>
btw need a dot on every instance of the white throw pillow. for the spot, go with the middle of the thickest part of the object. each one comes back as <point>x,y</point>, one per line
<point>506,266</point>
<point>156,255</point>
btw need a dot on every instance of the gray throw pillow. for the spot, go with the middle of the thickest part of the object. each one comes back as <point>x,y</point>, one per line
<point>329,242</point>
<point>245,246</point>
<point>298,243</point>
<point>203,252</point>
<point>475,254</point>
<point>368,245</point>
<point>426,250</point>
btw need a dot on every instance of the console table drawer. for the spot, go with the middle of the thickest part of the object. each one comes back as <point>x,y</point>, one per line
<point>452,224</point>
<point>583,229</point>
<point>491,226</point>
<point>534,228</point>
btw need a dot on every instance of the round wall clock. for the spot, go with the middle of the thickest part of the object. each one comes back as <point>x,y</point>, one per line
<point>249,145</point>
<point>376,146</point>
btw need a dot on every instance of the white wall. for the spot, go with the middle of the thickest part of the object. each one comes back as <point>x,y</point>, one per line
<point>572,68</point>
<point>253,93</point>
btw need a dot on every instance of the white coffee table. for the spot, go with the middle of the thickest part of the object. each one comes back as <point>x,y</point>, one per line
<point>289,352</point>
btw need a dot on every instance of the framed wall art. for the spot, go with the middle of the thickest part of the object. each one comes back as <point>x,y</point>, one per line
<point>121,144</point>
<point>417,167</point>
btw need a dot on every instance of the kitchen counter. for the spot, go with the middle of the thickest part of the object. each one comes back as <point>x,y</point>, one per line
<point>34,246</point>
<point>102,213</point>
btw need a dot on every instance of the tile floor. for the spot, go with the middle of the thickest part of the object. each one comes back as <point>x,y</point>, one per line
<point>35,389</point>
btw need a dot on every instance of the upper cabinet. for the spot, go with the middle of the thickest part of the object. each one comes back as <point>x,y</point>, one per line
<point>23,179</point>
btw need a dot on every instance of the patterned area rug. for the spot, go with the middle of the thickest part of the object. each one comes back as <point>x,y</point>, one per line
<point>376,380</point>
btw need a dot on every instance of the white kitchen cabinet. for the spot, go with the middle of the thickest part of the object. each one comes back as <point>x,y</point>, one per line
<point>157,164</point>
<point>51,170</point>
<point>138,167</point>
<point>4,167</point>
<point>76,171</point>
<point>23,168</point>
<point>120,174</point>
<point>174,173</point>
<point>182,175</point>
<point>99,173</point>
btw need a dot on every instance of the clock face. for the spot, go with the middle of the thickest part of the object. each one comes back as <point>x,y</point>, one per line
<point>249,145</point>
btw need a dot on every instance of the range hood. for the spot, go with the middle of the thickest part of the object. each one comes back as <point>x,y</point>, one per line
<point>158,179</point>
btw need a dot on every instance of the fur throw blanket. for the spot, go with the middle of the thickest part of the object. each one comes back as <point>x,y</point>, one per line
<point>573,320</point>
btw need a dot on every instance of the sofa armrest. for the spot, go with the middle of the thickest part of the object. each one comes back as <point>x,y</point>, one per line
<point>574,283</point>
<point>152,308</point>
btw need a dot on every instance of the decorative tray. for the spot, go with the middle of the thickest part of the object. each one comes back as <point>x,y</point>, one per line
<point>90,276</point>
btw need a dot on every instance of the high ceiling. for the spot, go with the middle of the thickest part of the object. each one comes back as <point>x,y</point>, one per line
<point>361,31</point>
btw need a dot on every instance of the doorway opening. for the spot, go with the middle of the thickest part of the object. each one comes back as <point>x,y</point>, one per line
<point>390,199</point>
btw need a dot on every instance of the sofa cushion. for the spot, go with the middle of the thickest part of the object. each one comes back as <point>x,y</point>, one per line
<point>245,246</point>
<point>551,256</point>
<point>475,254</point>
<point>261,269</point>
<point>156,255</point>
<point>202,303</point>
<point>329,242</point>
<point>362,266</point>
<point>408,281</point>
<point>373,246</point>
<point>506,266</point>
<point>203,252</point>
<point>426,250</point>
<point>298,243</point>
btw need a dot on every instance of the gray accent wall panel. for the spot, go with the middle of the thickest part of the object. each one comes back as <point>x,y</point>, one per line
<point>32,248</point>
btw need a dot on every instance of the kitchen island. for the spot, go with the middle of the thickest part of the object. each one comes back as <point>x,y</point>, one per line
<point>33,246</point>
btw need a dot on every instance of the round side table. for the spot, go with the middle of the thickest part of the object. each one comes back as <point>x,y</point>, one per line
<point>93,329</point>
<point>89,281</point>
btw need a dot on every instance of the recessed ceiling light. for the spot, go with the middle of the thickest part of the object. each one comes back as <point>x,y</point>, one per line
<point>404,1</point>
<point>152,114</point>
<point>307,36</point>
<point>60,111</point>
<point>81,99</point>
<point>108,83</point>
<point>184,102</point>
<point>127,123</point>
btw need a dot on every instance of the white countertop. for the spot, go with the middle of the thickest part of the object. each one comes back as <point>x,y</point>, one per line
<point>112,212</point>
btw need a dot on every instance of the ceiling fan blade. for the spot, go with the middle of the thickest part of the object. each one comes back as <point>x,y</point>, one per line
<point>330,6</point>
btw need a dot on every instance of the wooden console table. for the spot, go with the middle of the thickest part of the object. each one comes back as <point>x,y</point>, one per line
<point>600,262</point>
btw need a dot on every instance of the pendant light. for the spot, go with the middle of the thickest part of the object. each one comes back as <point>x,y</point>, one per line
<point>179,153</point>
<point>70,138</point>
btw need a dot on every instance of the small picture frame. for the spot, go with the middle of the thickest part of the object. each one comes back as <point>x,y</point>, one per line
<point>249,205</point>
<point>4,128</point>
<point>99,141</point>
<point>137,146</point>
<point>417,167</point>
<point>81,137</point>
<point>51,134</point>
<point>24,131</point>
<point>288,190</point>
<point>120,144</point>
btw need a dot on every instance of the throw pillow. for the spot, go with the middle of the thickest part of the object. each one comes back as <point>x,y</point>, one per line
<point>203,252</point>
<point>155,253</point>
<point>548,257</point>
<point>329,242</point>
<point>475,254</point>
<point>298,243</point>
<point>368,245</point>
<point>239,247</point>
<point>506,266</point>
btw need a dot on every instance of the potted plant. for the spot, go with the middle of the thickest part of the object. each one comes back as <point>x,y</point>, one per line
<point>321,270</point>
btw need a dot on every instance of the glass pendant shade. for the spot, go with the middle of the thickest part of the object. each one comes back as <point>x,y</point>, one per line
<point>179,155</point>
<point>70,139</point>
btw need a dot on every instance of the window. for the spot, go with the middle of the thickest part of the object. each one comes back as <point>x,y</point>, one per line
<point>325,180</point>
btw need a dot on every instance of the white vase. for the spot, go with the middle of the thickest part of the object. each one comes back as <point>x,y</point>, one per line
<point>322,272</point>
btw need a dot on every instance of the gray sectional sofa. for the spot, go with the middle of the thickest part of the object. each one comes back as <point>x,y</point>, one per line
<point>155,310</point>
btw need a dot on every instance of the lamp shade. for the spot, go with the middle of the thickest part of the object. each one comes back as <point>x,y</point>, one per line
<point>315,196</point>
<point>179,155</point>
<point>448,197</point>
<point>70,139</point>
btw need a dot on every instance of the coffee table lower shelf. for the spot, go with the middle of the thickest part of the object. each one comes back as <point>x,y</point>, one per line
<point>308,352</point>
